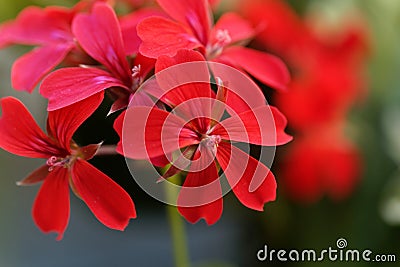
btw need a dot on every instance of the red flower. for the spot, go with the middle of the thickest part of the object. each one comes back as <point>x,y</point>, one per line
<point>320,163</point>
<point>327,80</point>
<point>66,165</point>
<point>327,70</point>
<point>99,34</point>
<point>49,29</point>
<point>191,28</point>
<point>195,127</point>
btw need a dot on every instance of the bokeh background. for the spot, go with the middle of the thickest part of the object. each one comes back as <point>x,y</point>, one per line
<point>367,216</point>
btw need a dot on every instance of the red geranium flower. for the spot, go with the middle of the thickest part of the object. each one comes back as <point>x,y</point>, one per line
<point>319,163</point>
<point>99,34</point>
<point>66,165</point>
<point>191,28</point>
<point>195,127</point>
<point>50,30</point>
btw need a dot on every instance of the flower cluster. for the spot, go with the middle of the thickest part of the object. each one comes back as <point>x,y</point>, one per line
<point>327,81</point>
<point>100,54</point>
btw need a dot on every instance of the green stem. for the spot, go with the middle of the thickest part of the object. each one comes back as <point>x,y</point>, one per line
<point>181,254</point>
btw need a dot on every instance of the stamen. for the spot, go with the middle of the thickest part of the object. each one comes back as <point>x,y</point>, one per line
<point>223,37</point>
<point>135,71</point>
<point>54,162</point>
<point>211,141</point>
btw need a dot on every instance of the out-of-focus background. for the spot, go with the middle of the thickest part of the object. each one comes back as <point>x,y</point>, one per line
<point>339,178</point>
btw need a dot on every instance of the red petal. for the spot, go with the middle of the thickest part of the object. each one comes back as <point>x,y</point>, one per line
<point>118,124</point>
<point>67,86</point>
<point>36,26</point>
<point>183,77</point>
<point>261,126</point>
<point>238,28</point>
<point>159,161</point>
<point>51,207</point>
<point>162,36</point>
<point>252,182</point>
<point>201,195</point>
<point>150,132</point>
<point>281,28</point>
<point>20,134</point>
<point>100,36</point>
<point>62,123</point>
<point>194,13</point>
<point>36,176</point>
<point>265,67</point>
<point>128,25</point>
<point>30,68</point>
<point>111,204</point>
<point>242,92</point>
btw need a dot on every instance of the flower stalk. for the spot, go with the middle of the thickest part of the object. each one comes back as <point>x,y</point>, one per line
<point>177,226</point>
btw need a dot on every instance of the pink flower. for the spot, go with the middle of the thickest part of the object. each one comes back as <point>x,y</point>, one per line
<point>194,127</point>
<point>66,165</point>
<point>191,28</point>
<point>99,34</point>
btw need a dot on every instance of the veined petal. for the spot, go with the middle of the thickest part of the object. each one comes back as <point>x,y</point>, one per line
<point>30,68</point>
<point>51,207</point>
<point>252,182</point>
<point>62,123</point>
<point>263,125</point>
<point>151,132</point>
<point>162,36</point>
<point>242,93</point>
<point>265,67</point>
<point>100,36</point>
<point>20,134</point>
<point>128,25</point>
<point>159,161</point>
<point>238,28</point>
<point>67,86</point>
<point>109,202</point>
<point>201,186</point>
<point>183,77</point>
<point>194,13</point>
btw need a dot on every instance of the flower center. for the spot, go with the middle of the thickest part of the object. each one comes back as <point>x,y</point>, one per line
<point>136,80</point>
<point>211,141</point>
<point>222,39</point>
<point>54,162</point>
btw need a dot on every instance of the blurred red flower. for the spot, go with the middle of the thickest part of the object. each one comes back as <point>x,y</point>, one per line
<point>327,80</point>
<point>319,163</point>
